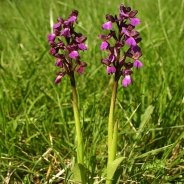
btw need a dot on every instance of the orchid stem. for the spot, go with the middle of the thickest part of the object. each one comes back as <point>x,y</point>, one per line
<point>80,145</point>
<point>112,128</point>
<point>111,155</point>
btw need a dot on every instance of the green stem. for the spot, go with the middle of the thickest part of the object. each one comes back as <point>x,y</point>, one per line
<point>112,128</point>
<point>111,154</point>
<point>80,146</point>
<point>114,143</point>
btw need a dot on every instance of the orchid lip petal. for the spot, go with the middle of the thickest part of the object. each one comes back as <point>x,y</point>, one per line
<point>80,70</point>
<point>58,79</point>
<point>104,45</point>
<point>73,54</point>
<point>107,25</point>
<point>126,81</point>
<point>53,51</point>
<point>72,18</point>
<point>110,69</point>
<point>51,37</point>
<point>137,64</point>
<point>59,63</point>
<point>66,32</point>
<point>135,21</point>
<point>131,42</point>
<point>82,46</point>
<point>57,26</point>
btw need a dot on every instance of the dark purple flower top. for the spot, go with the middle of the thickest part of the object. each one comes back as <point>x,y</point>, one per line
<point>126,35</point>
<point>65,44</point>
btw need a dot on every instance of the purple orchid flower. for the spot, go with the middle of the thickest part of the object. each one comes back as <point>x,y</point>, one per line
<point>111,69</point>
<point>67,51</point>
<point>127,35</point>
<point>126,81</point>
<point>104,45</point>
<point>107,25</point>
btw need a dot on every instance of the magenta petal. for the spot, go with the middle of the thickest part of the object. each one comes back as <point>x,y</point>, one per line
<point>125,31</point>
<point>73,54</point>
<point>59,63</point>
<point>131,42</point>
<point>66,33</point>
<point>110,69</point>
<point>137,64</point>
<point>122,14</point>
<point>58,79</point>
<point>104,45</point>
<point>107,25</point>
<point>53,51</point>
<point>51,37</point>
<point>80,70</point>
<point>72,19</point>
<point>126,81</point>
<point>82,46</point>
<point>135,21</point>
<point>57,26</point>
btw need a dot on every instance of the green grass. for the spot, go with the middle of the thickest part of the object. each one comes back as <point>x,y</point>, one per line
<point>36,117</point>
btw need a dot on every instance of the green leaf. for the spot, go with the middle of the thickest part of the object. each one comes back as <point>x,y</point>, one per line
<point>80,173</point>
<point>145,117</point>
<point>153,152</point>
<point>111,170</point>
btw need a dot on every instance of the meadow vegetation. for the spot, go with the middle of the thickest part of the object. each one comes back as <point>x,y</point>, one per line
<point>37,132</point>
